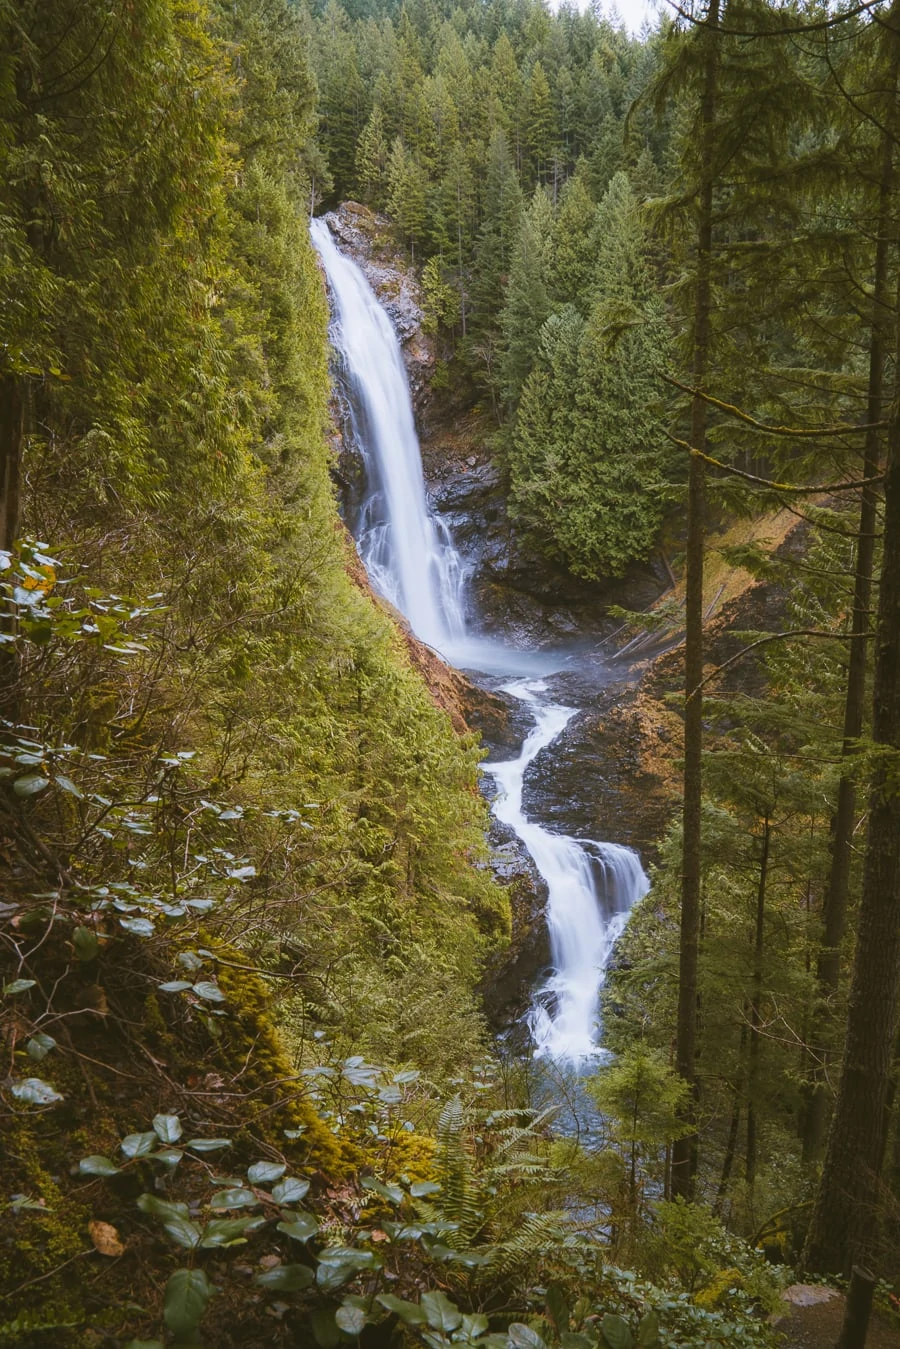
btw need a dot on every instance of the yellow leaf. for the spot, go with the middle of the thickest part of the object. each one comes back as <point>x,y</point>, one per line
<point>105,1238</point>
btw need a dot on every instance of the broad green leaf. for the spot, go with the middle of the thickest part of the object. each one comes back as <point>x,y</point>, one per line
<point>168,1156</point>
<point>421,1188</point>
<point>648,1331</point>
<point>558,1307</point>
<point>139,1145</point>
<point>34,1091</point>
<point>40,1044</point>
<point>474,1325</point>
<point>141,927</point>
<point>86,943</point>
<point>409,1312</point>
<point>523,1337</point>
<point>18,986</point>
<point>571,1339</point>
<point>186,1296</point>
<point>175,986</point>
<point>440,1312</point>
<point>325,1332</point>
<point>97,1166</point>
<point>264,1173</point>
<point>290,1191</point>
<point>182,1231</point>
<point>167,1128</point>
<point>299,1226</point>
<point>392,1193</point>
<point>209,991</point>
<point>339,1264</point>
<point>341,1255</point>
<point>237,1198</point>
<point>226,1231</point>
<point>287,1278</point>
<point>161,1208</point>
<point>352,1320</point>
<point>407,1075</point>
<point>208,1144</point>
<point>616,1332</point>
<point>30,785</point>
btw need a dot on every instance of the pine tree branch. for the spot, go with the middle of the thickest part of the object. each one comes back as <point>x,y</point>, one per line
<point>773,637</point>
<point>797,29</point>
<point>776,486</point>
<point>794,432</point>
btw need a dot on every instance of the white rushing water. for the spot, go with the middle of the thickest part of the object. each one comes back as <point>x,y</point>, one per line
<point>408,554</point>
<point>411,560</point>
<point>590,890</point>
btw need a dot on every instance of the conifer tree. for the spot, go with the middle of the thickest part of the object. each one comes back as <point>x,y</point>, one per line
<point>844,1226</point>
<point>372,155</point>
<point>587,468</point>
<point>527,301</point>
<point>540,124</point>
<point>407,194</point>
<point>684,1154</point>
<point>574,259</point>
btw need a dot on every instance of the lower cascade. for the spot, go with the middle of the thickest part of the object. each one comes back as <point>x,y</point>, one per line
<point>410,558</point>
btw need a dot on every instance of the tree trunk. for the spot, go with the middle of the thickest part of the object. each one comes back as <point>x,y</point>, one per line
<point>12,434</point>
<point>845,1217</point>
<point>828,968</point>
<point>756,1005</point>
<point>684,1152</point>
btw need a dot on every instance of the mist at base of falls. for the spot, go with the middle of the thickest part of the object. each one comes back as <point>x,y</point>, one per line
<point>411,560</point>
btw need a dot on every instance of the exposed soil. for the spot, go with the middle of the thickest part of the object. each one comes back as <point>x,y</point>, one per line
<point>819,1325</point>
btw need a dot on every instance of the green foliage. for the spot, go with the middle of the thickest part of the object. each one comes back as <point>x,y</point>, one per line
<point>587,471</point>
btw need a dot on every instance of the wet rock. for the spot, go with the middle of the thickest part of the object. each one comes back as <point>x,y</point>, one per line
<point>592,782</point>
<point>516,591</point>
<point>508,981</point>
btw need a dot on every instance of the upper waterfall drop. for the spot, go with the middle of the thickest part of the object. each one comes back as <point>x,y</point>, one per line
<point>408,554</point>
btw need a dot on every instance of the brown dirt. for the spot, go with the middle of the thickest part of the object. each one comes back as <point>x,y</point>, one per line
<point>818,1327</point>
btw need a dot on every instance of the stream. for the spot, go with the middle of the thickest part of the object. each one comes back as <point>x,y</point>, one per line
<point>411,560</point>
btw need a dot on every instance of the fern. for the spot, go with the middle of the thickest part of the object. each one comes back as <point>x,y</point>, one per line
<point>461,1199</point>
<point>538,1238</point>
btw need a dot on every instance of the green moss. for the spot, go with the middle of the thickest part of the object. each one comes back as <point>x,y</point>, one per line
<point>252,1046</point>
<point>37,1242</point>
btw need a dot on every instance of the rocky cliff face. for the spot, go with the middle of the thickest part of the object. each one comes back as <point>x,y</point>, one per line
<point>368,238</point>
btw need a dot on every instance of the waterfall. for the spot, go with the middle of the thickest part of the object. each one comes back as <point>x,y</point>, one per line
<point>411,560</point>
<point>590,890</point>
<point>408,554</point>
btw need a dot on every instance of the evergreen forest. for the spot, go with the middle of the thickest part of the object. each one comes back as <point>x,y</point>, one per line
<point>261,1086</point>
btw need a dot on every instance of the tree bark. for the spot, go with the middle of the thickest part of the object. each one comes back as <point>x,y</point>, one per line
<point>684,1152</point>
<point>756,1004</point>
<point>859,1309</point>
<point>845,1218</point>
<point>828,967</point>
<point>12,435</point>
